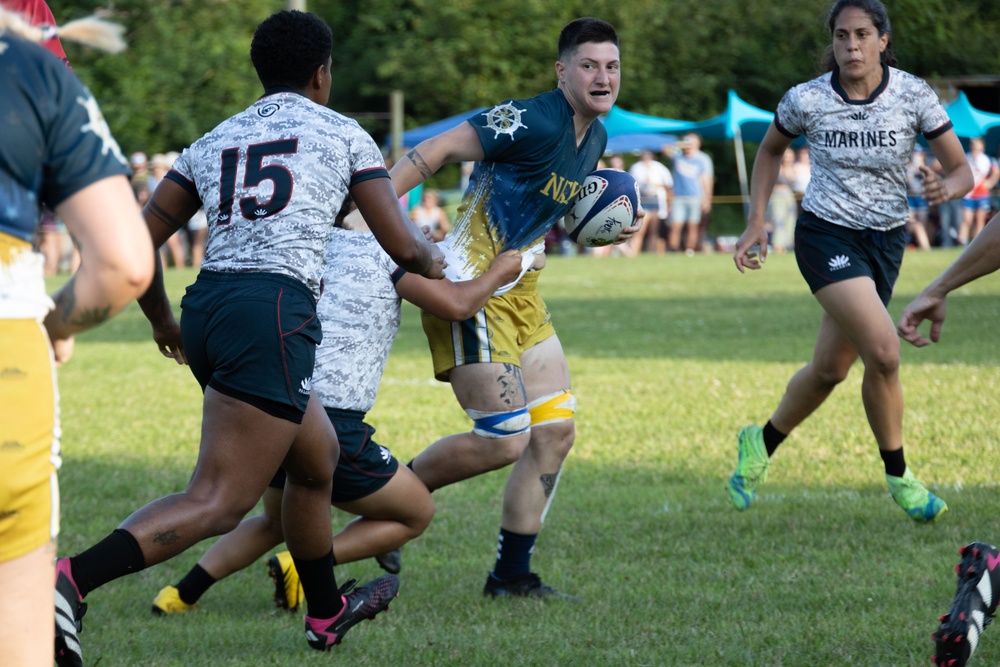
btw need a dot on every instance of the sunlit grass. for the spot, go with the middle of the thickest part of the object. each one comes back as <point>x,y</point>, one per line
<point>670,357</point>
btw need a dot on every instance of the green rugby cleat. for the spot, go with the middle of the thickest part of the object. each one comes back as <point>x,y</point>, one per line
<point>911,494</point>
<point>751,470</point>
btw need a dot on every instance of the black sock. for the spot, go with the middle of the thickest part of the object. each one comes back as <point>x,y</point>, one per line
<point>895,464</point>
<point>772,438</point>
<point>194,584</point>
<point>513,555</point>
<point>320,586</point>
<point>115,556</point>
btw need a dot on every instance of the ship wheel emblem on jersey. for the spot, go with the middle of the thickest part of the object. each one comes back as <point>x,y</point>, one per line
<point>505,119</point>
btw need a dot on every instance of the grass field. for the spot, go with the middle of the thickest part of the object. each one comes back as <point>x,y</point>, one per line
<point>670,357</point>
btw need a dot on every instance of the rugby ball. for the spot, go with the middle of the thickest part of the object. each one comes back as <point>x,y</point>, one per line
<point>607,202</point>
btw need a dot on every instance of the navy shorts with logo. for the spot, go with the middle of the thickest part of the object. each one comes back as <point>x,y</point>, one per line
<point>829,253</point>
<point>252,336</point>
<point>364,466</point>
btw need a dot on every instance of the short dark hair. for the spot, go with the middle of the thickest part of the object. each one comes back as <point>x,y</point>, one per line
<point>584,30</point>
<point>288,46</point>
<point>880,19</point>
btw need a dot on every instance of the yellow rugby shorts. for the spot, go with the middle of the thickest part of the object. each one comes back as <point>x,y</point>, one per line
<point>499,333</point>
<point>29,439</point>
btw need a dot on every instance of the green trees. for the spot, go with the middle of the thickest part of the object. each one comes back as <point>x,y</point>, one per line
<point>187,67</point>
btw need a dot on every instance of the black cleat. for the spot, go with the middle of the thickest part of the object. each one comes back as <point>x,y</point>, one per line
<point>363,603</point>
<point>973,608</point>
<point>70,609</point>
<point>390,561</point>
<point>526,586</point>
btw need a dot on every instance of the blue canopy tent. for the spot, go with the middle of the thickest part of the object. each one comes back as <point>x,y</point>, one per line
<point>634,143</point>
<point>413,137</point>
<point>740,120</point>
<point>618,122</point>
<point>969,122</point>
<point>629,132</point>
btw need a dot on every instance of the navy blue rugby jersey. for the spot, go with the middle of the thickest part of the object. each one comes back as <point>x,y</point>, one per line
<point>532,170</point>
<point>55,139</point>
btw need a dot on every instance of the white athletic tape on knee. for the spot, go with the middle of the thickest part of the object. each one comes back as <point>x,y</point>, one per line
<point>500,424</point>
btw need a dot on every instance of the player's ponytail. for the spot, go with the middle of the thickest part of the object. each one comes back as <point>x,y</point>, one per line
<point>89,31</point>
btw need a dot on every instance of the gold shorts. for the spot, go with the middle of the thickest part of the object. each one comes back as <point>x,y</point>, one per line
<point>499,333</point>
<point>29,439</point>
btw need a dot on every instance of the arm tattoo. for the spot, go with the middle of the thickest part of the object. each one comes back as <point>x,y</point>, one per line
<point>164,217</point>
<point>418,162</point>
<point>66,301</point>
<point>511,386</point>
<point>548,483</point>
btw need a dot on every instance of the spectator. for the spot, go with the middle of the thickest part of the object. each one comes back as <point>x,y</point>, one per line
<point>655,191</point>
<point>949,213</point>
<point>917,226</point>
<point>976,204</point>
<point>140,168</point>
<point>161,164</point>
<point>691,186</point>
<point>782,208</point>
<point>197,236</point>
<point>465,171</point>
<point>803,172</point>
<point>709,190</point>
<point>428,213</point>
<point>50,241</point>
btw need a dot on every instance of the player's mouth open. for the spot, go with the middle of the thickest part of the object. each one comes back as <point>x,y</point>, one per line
<point>600,93</point>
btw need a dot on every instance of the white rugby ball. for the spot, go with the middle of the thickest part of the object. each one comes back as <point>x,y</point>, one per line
<point>607,202</point>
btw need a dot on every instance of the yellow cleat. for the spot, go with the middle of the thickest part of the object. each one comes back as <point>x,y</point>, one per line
<point>288,592</point>
<point>168,601</point>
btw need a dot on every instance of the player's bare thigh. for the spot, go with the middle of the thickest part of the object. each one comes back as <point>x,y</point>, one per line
<point>497,387</point>
<point>489,387</point>
<point>544,369</point>
<point>546,374</point>
<point>404,499</point>
<point>27,614</point>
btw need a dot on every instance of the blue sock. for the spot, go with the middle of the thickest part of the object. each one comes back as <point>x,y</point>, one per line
<point>513,555</point>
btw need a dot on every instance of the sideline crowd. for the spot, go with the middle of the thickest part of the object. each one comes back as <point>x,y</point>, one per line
<point>677,192</point>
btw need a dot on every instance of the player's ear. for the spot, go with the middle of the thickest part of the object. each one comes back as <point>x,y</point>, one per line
<point>318,76</point>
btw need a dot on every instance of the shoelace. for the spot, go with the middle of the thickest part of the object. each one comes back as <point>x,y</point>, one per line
<point>347,586</point>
